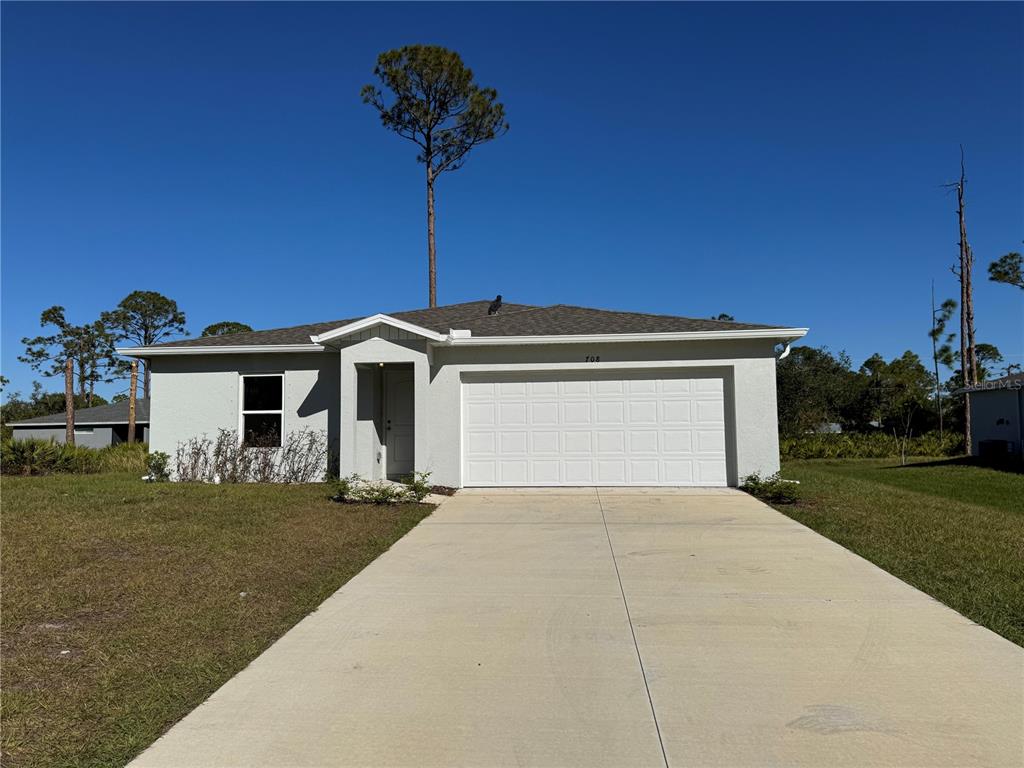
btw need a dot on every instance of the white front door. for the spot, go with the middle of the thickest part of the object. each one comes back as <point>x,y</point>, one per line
<point>620,428</point>
<point>399,422</point>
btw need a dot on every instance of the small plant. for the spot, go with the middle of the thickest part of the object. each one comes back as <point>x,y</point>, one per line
<point>158,463</point>
<point>380,492</point>
<point>771,489</point>
<point>341,487</point>
<point>355,490</point>
<point>418,484</point>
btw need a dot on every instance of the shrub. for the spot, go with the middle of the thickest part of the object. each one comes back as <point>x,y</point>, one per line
<point>124,457</point>
<point>418,484</point>
<point>159,465</point>
<point>301,459</point>
<point>355,490</point>
<point>771,489</point>
<point>34,456</point>
<point>868,445</point>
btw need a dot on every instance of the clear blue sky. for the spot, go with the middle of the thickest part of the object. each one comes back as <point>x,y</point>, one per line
<point>781,163</point>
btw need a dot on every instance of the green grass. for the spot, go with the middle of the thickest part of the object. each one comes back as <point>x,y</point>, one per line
<point>123,605</point>
<point>952,530</point>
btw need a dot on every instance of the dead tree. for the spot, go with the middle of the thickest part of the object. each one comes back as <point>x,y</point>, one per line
<point>963,270</point>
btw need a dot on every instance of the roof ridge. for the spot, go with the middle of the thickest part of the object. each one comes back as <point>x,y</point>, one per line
<point>655,314</point>
<point>526,308</point>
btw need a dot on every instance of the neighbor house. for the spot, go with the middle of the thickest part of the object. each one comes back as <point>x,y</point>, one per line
<point>997,416</point>
<point>94,427</point>
<point>524,396</point>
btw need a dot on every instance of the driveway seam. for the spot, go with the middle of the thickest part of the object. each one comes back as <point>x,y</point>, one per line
<point>632,632</point>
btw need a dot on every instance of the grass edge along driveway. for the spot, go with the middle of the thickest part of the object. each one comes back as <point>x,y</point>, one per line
<point>952,530</point>
<point>126,604</point>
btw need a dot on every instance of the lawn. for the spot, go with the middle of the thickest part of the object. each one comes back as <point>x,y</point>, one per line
<point>126,604</point>
<point>952,530</point>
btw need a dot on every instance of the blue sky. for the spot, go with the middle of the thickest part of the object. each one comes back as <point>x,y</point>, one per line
<point>782,163</point>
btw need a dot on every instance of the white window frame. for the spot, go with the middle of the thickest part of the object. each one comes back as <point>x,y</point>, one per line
<point>242,412</point>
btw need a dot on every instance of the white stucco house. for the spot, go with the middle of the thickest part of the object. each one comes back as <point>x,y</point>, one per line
<point>526,396</point>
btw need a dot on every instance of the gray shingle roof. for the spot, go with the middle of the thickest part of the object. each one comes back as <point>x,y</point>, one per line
<point>512,320</point>
<point>114,413</point>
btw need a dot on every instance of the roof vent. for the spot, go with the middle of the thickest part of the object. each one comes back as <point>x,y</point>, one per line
<point>495,306</point>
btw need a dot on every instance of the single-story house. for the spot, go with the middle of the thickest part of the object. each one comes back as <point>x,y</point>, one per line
<point>485,395</point>
<point>997,416</point>
<point>94,427</point>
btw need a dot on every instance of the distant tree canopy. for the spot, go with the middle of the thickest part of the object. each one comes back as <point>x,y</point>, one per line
<point>38,403</point>
<point>225,327</point>
<point>723,316</point>
<point>1008,269</point>
<point>816,387</point>
<point>144,318</point>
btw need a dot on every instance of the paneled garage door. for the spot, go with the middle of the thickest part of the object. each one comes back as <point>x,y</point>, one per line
<point>560,430</point>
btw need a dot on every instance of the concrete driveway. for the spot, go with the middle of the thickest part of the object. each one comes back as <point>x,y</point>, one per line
<point>617,628</point>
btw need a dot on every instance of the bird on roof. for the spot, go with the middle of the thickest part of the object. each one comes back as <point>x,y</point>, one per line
<point>495,306</point>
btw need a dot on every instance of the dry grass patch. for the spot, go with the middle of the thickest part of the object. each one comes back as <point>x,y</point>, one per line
<point>126,604</point>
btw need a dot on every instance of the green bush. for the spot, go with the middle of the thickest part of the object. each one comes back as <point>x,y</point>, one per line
<point>158,465</point>
<point>418,484</point>
<point>355,490</point>
<point>124,457</point>
<point>868,445</point>
<point>35,456</point>
<point>771,489</point>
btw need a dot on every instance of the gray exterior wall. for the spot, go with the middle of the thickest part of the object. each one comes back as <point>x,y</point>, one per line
<point>196,395</point>
<point>996,415</point>
<point>337,390</point>
<point>99,437</point>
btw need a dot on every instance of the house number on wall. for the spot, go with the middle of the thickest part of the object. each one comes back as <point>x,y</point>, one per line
<point>592,358</point>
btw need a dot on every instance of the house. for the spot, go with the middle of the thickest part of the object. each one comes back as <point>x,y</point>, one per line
<point>527,396</point>
<point>94,427</point>
<point>997,416</point>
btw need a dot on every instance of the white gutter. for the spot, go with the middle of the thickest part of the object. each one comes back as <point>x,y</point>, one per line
<point>783,334</point>
<point>457,337</point>
<point>240,349</point>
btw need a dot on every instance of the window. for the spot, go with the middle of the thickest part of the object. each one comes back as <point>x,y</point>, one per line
<point>263,409</point>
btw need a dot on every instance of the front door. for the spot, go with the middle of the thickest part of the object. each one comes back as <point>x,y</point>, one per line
<point>399,422</point>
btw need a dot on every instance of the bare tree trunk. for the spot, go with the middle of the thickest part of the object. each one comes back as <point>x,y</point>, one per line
<point>69,401</point>
<point>968,356</point>
<point>145,381</point>
<point>83,392</point>
<point>935,360</point>
<point>431,247</point>
<point>972,350</point>
<point>131,400</point>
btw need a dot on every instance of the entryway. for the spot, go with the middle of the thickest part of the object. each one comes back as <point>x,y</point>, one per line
<point>398,417</point>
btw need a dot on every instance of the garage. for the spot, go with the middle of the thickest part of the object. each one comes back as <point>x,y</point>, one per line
<point>616,428</point>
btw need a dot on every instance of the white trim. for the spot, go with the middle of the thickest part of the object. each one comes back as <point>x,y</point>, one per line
<point>455,338</point>
<point>603,338</point>
<point>225,350</point>
<point>378,319</point>
<point>242,412</point>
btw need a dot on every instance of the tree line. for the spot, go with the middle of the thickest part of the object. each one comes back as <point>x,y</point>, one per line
<point>85,355</point>
<point>903,396</point>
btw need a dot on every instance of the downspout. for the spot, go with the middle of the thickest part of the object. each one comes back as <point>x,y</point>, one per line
<point>785,352</point>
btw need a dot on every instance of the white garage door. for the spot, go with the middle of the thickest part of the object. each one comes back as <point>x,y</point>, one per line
<point>622,429</point>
